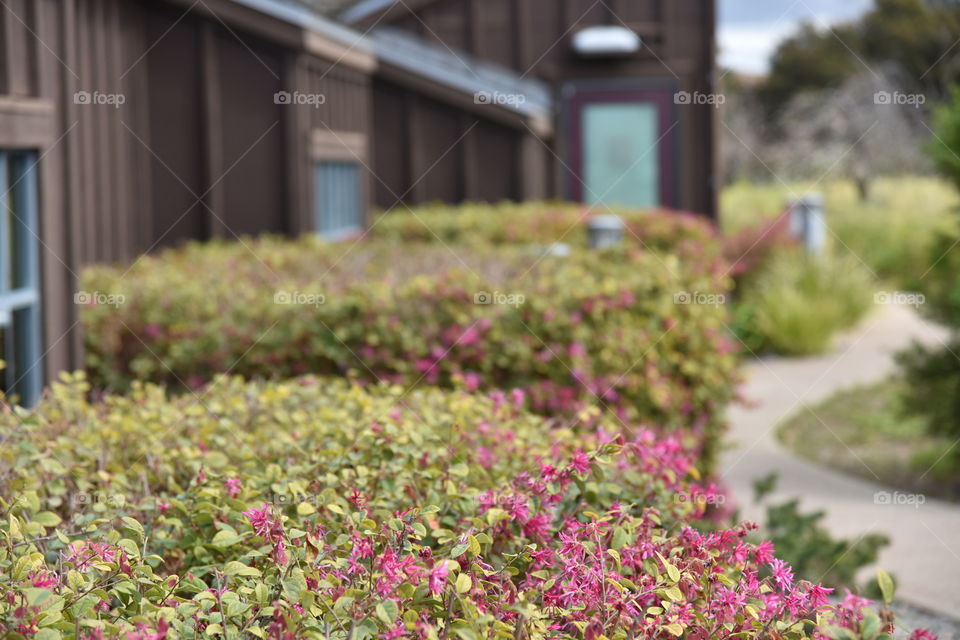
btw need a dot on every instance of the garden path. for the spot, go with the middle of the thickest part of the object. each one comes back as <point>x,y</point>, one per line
<point>924,553</point>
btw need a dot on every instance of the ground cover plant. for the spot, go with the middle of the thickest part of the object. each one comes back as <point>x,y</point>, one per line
<point>639,333</point>
<point>883,437</point>
<point>316,509</point>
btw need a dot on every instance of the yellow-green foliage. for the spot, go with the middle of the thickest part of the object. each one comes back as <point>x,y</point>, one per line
<point>798,303</point>
<point>589,330</point>
<point>894,231</point>
<point>312,509</point>
<point>543,223</point>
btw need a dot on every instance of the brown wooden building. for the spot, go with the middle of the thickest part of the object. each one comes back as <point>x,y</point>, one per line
<point>127,125</point>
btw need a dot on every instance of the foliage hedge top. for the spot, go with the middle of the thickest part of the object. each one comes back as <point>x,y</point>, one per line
<point>588,330</point>
<point>315,509</point>
<point>508,223</point>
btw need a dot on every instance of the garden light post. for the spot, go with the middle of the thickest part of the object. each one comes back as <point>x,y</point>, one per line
<point>605,231</point>
<point>808,222</point>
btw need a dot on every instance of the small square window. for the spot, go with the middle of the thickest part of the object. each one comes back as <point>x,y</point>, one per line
<point>338,199</point>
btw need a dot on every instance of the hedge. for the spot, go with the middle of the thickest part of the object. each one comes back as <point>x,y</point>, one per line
<point>590,330</point>
<point>544,223</point>
<point>316,509</point>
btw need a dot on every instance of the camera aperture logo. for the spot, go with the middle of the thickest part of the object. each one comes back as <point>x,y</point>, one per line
<point>697,298</point>
<point>314,100</point>
<point>299,298</point>
<point>98,299</point>
<point>498,298</point>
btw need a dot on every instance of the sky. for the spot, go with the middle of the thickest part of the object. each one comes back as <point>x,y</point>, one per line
<point>751,29</point>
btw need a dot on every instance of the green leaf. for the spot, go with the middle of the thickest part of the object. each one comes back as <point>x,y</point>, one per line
<point>225,539</point>
<point>47,518</point>
<point>886,585</point>
<point>464,583</point>
<point>235,568</point>
<point>387,611</point>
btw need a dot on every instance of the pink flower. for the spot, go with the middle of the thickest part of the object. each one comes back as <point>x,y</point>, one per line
<point>782,574</point>
<point>818,596</point>
<point>763,553</point>
<point>233,486</point>
<point>922,634</point>
<point>438,577</point>
<point>580,463</point>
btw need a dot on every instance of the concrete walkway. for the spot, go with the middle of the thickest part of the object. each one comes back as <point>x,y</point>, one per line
<point>924,553</point>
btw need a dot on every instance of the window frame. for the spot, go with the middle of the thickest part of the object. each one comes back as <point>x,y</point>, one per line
<point>22,351</point>
<point>339,147</point>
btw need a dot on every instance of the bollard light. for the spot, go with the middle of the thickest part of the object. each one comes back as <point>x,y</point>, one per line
<point>604,231</point>
<point>808,223</point>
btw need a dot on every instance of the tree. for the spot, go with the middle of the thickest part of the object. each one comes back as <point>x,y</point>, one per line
<point>811,60</point>
<point>852,131</point>
<point>919,37</point>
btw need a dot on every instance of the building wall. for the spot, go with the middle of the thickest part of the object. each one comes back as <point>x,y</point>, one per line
<point>198,122</point>
<point>427,149</point>
<point>533,38</point>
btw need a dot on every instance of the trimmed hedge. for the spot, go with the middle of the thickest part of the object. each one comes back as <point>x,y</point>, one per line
<point>315,509</point>
<point>590,330</point>
<point>544,223</point>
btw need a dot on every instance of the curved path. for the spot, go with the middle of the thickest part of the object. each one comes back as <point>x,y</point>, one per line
<point>924,553</point>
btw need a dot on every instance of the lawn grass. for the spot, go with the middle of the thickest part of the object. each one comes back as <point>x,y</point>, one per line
<point>862,432</point>
<point>892,232</point>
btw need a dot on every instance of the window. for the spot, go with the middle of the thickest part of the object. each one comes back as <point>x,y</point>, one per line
<point>339,203</point>
<point>22,379</point>
<point>339,211</point>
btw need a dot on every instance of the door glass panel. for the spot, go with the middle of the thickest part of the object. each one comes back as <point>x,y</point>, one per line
<point>621,158</point>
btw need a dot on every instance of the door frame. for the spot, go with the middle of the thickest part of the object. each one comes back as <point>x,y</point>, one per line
<point>660,93</point>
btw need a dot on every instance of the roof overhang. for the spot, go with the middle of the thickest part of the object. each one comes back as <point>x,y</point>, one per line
<point>475,85</point>
<point>293,25</point>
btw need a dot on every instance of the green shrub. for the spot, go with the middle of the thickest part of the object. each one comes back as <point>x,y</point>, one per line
<point>312,509</point>
<point>814,554</point>
<point>544,223</point>
<point>799,303</point>
<point>894,231</point>
<point>932,392</point>
<point>590,330</point>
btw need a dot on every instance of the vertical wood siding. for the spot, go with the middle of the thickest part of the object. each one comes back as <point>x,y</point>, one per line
<point>198,120</point>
